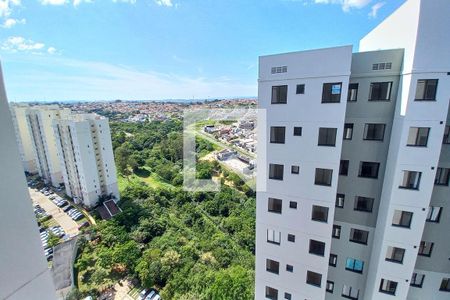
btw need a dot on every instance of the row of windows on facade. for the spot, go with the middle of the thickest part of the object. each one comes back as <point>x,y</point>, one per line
<point>375,67</point>
<point>426,90</point>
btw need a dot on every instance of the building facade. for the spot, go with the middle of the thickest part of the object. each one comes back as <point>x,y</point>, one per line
<point>86,157</point>
<point>355,204</point>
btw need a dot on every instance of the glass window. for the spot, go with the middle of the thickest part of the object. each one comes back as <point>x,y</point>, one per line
<point>395,254</point>
<point>348,131</point>
<point>330,286</point>
<point>287,296</point>
<point>332,260</point>
<point>388,286</point>
<point>316,247</point>
<point>354,265</point>
<point>380,91</point>
<point>359,236</point>
<point>331,92</point>
<point>293,204</point>
<point>418,136</point>
<point>352,92</point>
<point>327,136</point>
<point>290,268</point>
<point>426,89</point>
<point>272,266</point>
<point>402,218</point>
<point>442,176</point>
<point>319,213</point>
<point>445,285</point>
<point>350,292</point>
<point>277,134</point>
<point>274,205</point>
<point>295,169</point>
<point>323,177</point>
<point>276,171</point>
<point>300,89</point>
<point>343,167</point>
<point>411,180</point>
<point>313,278</point>
<point>417,280</point>
<point>336,233</point>
<point>273,236</point>
<point>271,293</point>
<point>340,198</point>
<point>434,214</point>
<point>374,132</point>
<point>291,238</point>
<point>363,204</point>
<point>279,94</point>
<point>447,135</point>
<point>297,131</point>
<point>369,169</point>
<point>425,248</point>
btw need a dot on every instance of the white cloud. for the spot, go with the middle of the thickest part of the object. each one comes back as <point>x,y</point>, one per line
<point>53,2</point>
<point>6,7</point>
<point>346,5</point>
<point>18,43</point>
<point>51,50</point>
<point>124,1</point>
<point>375,8</point>
<point>167,3</point>
<point>10,22</point>
<point>78,2</point>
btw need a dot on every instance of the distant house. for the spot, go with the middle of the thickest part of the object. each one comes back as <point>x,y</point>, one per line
<point>209,129</point>
<point>226,154</point>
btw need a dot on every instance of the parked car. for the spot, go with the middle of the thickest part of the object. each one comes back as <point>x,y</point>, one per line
<point>157,297</point>
<point>68,208</point>
<point>150,296</point>
<point>142,294</point>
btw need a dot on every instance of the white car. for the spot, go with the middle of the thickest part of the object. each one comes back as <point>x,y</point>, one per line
<point>158,297</point>
<point>142,294</point>
<point>150,296</point>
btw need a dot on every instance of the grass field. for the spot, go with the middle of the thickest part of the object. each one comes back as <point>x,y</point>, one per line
<point>144,175</point>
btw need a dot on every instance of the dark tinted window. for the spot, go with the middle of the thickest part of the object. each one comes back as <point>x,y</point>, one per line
<point>279,94</point>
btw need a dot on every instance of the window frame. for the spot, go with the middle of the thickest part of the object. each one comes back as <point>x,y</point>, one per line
<point>349,295</point>
<point>275,90</point>
<point>348,127</point>
<point>299,131</point>
<point>330,137</point>
<point>332,260</point>
<point>274,237</point>
<point>417,135</point>
<point>293,204</point>
<point>291,237</point>
<point>336,229</point>
<point>408,173</point>
<point>269,262</point>
<point>370,206</point>
<point>434,218</point>
<point>327,88</point>
<point>316,244</point>
<point>337,204</point>
<point>379,84</point>
<point>366,130</point>
<point>394,254</point>
<point>445,285</point>
<point>351,87</point>
<point>373,163</point>
<point>312,273</point>
<point>275,203</point>
<point>353,263</point>
<point>293,167</point>
<point>388,282</point>
<point>402,216</point>
<point>271,289</point>
<point>423,245</point>
<point>275,166</point>
<point>442,172</point>
<point>300,89</point>
<point>327,286</point>
<point>272,137</point>
<point>414,280</point>
<point>325,174</point>
<point>446,138</point>
<point>344,166</point>
<point>425,89</point>
<point>321,210</point>
<point>363,232</point>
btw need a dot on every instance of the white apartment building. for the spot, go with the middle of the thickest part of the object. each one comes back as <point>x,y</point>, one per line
<point>86,157</point>
<point>40,120</point>
<point>356,201</point>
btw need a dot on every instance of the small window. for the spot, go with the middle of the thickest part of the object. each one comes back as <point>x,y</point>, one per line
<point>319,213</point>
<point>327,137</point>
<point>332,260</point>
<point>330,286</point>
<point>271,293</point>
<point>289,268</point>
<point>314,278</point>
<point>343,167</point>
<point>426,89</point>
<point>291,238</point>
<point>276,171</point>
<point>300,89</point>
<point>323,177</point>
<point>354,265</point>
<point>352,92</point>
<point>374,132</point>
<point>293,204</point>
<point>363,204</point>
<point>287,296</point>
<point>418,136</point>
<point>272,266</point>
<point>297,131</point>
<point>380,91</point>
<point>369,169</point>
<point>359,236</point>
<point>277,134</point>
<point>316,247</point>
<point>340,198</point>
<point>395,254</point>
<point>445,285</point>
<point>276,70</point>
<point>331,92</point>
<point>273,236</point>
<point>275,205</point>
<point>348,131</point>
<point>402,218</point>
<point>434,214</point>
<point>350,292</point>
<point>446,139</point>
<point>295,169</point>
<point>279,94</point>
<point>442,176</point>
<point>336,233</point>
<point>411,180</point>
<point>425,248</point>
<point>417,280</point>
<point>388,286</point>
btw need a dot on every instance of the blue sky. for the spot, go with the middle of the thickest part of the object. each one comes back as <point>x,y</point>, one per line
<point>164,49</point>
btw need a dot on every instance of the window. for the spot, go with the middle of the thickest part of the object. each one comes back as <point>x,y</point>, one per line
<point>289,268</point>
<point>316,247</point>
<point>323,177</point>
<point>340,200</point>
<point>272,266</point>
<point>445,285</point>
<point>331,92</point>
<point>359,236</point>
<point>354,265</point>
<point>293,204</point>
<point>369,169</point>
<point>277,134</point>
<point>295,169</point>
<point>442,176</point>
<point>434,214</point>
<point>426,89</point>
<point>336,233</point>
<point>388,286</point>
<point>402,218</point>
<point>352,92</point>
<point>313,278</point>
<point>271,293</point>
<point>417,280</point>
<point>282,69</point>
<point>343,167</point>
<point>374,132</point>
<point>297,131</point>
<point>273,236</point>
<point>395,254</point>
<point>291,238</point>
<point>327,137</point>
<point>350,293</point>
<point>300,89</point>
<point>330,286</point>
<point>319,213</point>
<point>274,205</point>
<point>279,94</point>
<point>332,260</point>
<point>287,296</point>
<point>411,180</point>
<point>380,91</point>
<point>348,131</point>
<point>418,136</point>
<point>425,248</point>
<point>276,171</point>
<point>363,204</point>
<point>447,135</point>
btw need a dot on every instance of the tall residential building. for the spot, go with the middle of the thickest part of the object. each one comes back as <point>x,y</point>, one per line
<point>86,157</point>
<point>23,136</point>
<point>358,160</point>
<point>24,273</point>
<point>40,120</point>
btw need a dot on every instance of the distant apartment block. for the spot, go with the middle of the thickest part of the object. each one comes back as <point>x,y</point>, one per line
<point>86,157</point>
<point>356,204</point>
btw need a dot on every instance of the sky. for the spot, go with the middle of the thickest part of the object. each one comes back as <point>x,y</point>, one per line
<point>59,50</point>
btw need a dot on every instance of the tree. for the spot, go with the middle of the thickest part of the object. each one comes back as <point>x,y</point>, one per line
<point>232,283</point>
<point>53,240</point>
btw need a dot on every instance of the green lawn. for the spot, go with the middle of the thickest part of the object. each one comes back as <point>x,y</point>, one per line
<point>144,175</point>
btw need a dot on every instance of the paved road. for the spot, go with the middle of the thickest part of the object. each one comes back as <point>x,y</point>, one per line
<point>66,222</point>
